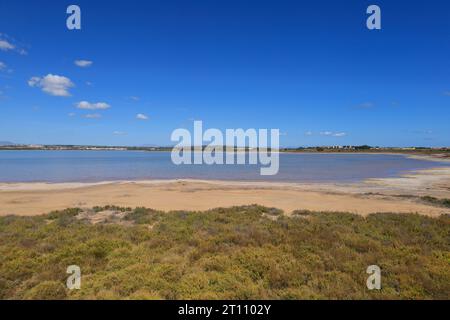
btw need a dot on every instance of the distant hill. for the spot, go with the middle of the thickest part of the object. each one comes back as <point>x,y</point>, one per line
<point>6,143</point>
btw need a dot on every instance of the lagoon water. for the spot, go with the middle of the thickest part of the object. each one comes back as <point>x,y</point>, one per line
<point>93,166</point>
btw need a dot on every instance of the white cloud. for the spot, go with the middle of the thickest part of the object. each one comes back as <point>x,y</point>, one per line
<point>72,114</point>
<point>134,98</point>
<point>5,45</point>
<point>8,44</point>
<point>308,133</point>
<point>333,134</point>
<point>83,63</point>
<point>52,84</point>
<point>119,133</point>
<point>447,93</point>
<point>92,106</point>
<point>141,116</point>
<point>93,116</point>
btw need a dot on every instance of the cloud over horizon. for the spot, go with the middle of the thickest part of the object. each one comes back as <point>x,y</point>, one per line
<point>83,63</point>
<point>52,84</point>
<point>5,45</point>
<point>92,106</point>
<point>141,116</point>
<point>333,134</point>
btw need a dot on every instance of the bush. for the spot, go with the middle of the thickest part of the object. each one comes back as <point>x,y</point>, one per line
<point>225,253</point>
<point>435,201</point>
<point>142,216</point>
<point>47,290</point>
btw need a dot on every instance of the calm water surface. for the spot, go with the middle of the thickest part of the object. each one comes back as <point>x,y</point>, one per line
<point>81,166</point>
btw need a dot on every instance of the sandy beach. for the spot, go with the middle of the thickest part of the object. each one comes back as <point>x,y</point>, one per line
<point>371,196</point>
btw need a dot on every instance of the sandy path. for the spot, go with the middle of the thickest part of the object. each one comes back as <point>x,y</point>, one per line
<point>33,199</point>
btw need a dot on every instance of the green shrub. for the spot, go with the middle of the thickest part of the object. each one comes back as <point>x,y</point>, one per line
<point>47,290</point>
<point>435,201</point>
<point>72,212</point>
<point>225,253</point>
<point>142,216</point>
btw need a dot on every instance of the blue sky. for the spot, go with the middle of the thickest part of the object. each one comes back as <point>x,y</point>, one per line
<point>310,68</point>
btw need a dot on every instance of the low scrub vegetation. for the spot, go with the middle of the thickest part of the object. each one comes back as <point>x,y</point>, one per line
<point>248,252</point>
<point>436,201</point>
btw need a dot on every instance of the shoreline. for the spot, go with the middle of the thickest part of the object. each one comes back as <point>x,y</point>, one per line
<point>74,184</point>
<point>370,196</point>
<point>418,174</point>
